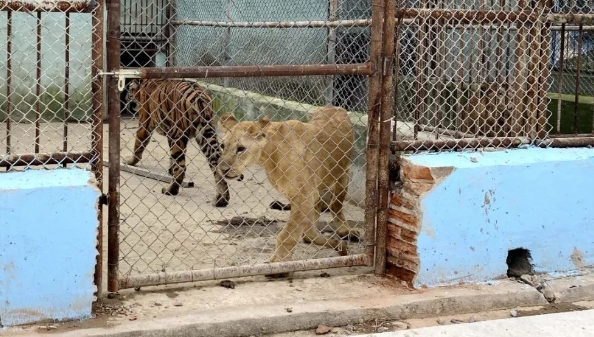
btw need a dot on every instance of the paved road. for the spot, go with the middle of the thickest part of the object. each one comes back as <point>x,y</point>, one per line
<point>569,324</point>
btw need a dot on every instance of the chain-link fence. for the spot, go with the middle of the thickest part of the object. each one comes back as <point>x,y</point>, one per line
<point>51,96</point>
<point>415,75</point>
<point>183,214</point>
<point>482,73</point>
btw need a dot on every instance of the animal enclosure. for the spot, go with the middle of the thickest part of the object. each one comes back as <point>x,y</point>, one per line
<point>411,76</point>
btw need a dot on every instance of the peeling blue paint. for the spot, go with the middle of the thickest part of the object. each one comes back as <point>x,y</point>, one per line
<point>538,199</point>
<point>47,247</point>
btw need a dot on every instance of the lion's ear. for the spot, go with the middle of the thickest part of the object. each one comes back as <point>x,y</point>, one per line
<point>264,122</point>
<point>227,121</point>
<point>257,129</point>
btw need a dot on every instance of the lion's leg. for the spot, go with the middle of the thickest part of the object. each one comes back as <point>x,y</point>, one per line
<point>339,223</point>
<point>143,136</point>
<point>312,235</point>
<point>177,167</point>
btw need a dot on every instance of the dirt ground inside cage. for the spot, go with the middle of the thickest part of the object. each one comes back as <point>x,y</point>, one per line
<point>183,232</point>
<point>165,233</point>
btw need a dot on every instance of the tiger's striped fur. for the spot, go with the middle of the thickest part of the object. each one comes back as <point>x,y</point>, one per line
<point>178,110</point>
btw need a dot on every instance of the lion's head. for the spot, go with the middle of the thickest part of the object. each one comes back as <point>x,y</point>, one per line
<point>241,145</point>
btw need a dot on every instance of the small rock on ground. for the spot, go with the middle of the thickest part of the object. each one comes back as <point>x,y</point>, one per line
<point>227,284</point>
<point>323,329</point>
<point>401,325</point>
<point>513,313</point>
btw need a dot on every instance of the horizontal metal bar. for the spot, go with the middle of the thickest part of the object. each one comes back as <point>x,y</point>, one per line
<point>49,6</point>
<point>572,28</point>
<point>277,24</point>
<point>149,174</point>
<point>444,131</point>
<point>241,271</point>
<point>257,71</point>
<point>451,144</point>
<point>45,158</point>
<point>560,18</point>
<point>571,135</point>
<point>467,16</point>
<point>567,142</point>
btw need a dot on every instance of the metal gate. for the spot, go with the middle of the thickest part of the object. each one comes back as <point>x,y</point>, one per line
<point>252,59</point>
<point>52,93</point>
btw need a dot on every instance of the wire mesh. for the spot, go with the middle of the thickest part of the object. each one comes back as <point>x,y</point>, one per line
<point>184,229</point>
<point>48,116</point>
<point>471,74</point>
<point>571,82</point>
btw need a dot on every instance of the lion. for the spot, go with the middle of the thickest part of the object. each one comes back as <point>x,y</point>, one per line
<point>302,161</point>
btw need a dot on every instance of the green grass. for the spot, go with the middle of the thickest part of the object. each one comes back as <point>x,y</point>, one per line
<point>585,110</point>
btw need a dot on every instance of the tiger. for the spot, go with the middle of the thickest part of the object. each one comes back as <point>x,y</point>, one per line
<point>178,110</point>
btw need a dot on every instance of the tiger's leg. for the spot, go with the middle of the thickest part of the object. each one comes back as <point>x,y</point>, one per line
<point>177,168</point>
<point>209,145</point>
<point>143,136</point>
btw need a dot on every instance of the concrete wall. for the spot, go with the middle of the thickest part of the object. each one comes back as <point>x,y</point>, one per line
<point>52,64</point>
<point>458,214</point>
<point>47,247</point>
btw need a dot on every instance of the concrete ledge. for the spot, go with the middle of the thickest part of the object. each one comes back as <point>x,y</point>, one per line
<point>573,289</point>
<point>256,320</point>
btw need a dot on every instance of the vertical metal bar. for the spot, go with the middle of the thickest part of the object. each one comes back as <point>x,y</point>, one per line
<point>66,83</point>
<point>577,78</point>
<point>331,52</point>
<point>385,127</point>
<point>38,85</point>
<point>560,78</point>
<point>532,81</point>
<point>167,30</point>
<point>460,78</point>
<point>397,44</point>
<point>8,80</point>
<point>373,113</point>
<point>113,104</point>
<point>420,67</point>
<point>543,72</point>
<point>97,122</point>
<point>519,83</point>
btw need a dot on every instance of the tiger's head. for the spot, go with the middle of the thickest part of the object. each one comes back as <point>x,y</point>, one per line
<point>132,95</point>
<point>242,144</point>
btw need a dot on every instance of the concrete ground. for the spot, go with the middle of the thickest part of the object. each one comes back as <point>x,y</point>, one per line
<point>343,300</point>
<point>575,324</point>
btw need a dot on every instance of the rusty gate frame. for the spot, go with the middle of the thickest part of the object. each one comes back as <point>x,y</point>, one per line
<point>377,68</point>
<point>94,155</point>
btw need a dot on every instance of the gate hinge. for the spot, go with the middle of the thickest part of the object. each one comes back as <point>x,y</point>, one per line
<point>103,199</point>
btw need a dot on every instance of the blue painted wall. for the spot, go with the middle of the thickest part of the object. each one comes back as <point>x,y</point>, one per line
<point>48,220</point>
<point>538,199</point>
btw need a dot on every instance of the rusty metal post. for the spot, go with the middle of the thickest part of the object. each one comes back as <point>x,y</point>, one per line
<point>168,33</point>
<point>577,79</point>
<point>385,128</point>
<point>67,83</point>
<point>373,114</point>
<point>113,106</point>
<point>560,78</point>
<point>8,78</point>
<point>38,85</point>
<point>97,136</point>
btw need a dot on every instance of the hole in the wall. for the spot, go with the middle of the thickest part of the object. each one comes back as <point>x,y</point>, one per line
<point>519,262</point>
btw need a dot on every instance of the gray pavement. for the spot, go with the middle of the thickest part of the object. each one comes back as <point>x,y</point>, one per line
<point>567,324</point>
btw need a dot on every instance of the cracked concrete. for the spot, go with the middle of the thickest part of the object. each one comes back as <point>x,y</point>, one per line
<point>333,298</point>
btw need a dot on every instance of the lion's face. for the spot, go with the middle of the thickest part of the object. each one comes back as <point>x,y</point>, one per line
<point>241,145</point>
